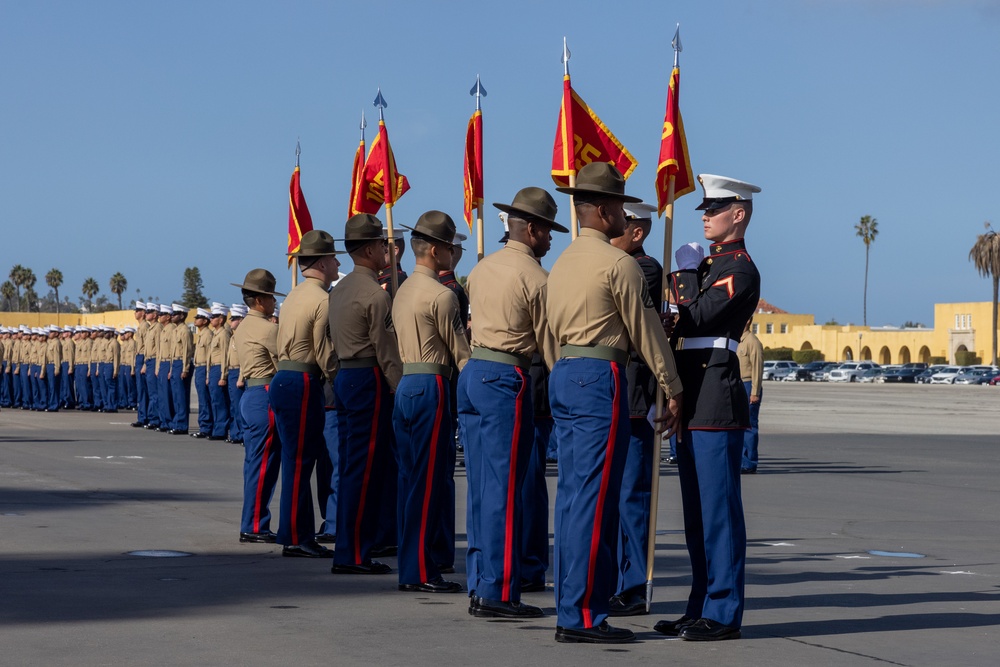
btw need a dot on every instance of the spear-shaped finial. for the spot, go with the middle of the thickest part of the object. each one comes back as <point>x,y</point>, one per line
<point>380,104</point>
<point>364,124</point>
<point>478,92</point>
<point>565,58</point>
<point>676,43</point>
<point>298,152</point>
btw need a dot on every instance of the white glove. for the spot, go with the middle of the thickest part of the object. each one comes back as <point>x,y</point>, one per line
<point>689,256</point>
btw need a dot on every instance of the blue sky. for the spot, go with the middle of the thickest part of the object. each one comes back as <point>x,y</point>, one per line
<point>149,137</point>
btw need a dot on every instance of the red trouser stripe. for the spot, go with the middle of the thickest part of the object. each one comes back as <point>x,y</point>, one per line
<point>298,458</point>
<point>595,536</point>
<point>368,465</point>
<point>508,540</point>
<point>259,499</point>
<point>428,482</point>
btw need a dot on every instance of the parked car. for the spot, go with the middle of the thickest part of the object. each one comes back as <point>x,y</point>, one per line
<point>995,382</point>
<point>946,375</point>
<point>925,377</point>
<point>903,375</point>
<point>918,364</point>
<point>975,376</point>
<point>822,374</point>
<point>799,374</point>
<point>872,375</point>
<point>775,370</point>
<point>851,371</point>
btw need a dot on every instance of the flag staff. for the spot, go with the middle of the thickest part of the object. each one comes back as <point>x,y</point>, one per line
<point>654,491</point>
<point>573,226</point>
<point>295,259</point>
<point>479,92</point>
<point>381,104</point>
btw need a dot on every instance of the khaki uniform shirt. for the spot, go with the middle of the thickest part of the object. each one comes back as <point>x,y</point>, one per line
<point>152,341</point>
<point>98,350</point>
<point>256,343</point>
<point>507,293</point>
<point>232,361</point>
<point>304,327</point>
<point>165,345</point>
<point>598,296</point>
<point>751,355</point>
<point>428,322</point>
<point>139,337</point>
<point>83,351</point>
<point>113,355</point>
<point>68,352</point>
<point>361,322</point>
<point>52,354</point>
<point>183,346</point>
<point>128,353</point>
<point>204,339</point>
<point>218,348</point>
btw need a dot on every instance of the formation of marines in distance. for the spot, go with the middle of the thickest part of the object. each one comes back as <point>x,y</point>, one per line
<point>370,389</point>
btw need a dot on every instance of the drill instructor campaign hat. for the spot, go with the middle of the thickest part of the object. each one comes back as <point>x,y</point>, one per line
<point>534,204</point>
<point>260,281</point>
<point>600,179</point>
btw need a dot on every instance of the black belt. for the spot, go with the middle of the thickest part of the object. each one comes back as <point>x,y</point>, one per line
<point>359,362</point>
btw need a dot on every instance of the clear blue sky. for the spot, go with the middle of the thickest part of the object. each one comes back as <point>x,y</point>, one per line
<point>149,137</point>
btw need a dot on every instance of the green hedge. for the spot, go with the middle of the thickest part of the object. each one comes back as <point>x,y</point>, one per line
<point>935,361</point>
<point>804,357</point>
<point>778,354</point>
<point>966,358</point>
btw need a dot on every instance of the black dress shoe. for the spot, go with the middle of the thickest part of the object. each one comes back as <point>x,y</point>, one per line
<point>371,567</point>
<point>107,411</point>
<point>267,537</point>
<point>707,630</point>
<point>439,585</point>
<point>384,551</point>
<point>483,608</point>
<point>446,569</point>
<point>627,604</point>
<point>163,429</point>
<point>178,431</point>
<point>748,471</point>
<point>532,586</point>
<point>199,435</point>
<point>151,427</point>
<point>602,634</point>
<point>327,538</point>
<point>217,437</point>
<point>307,550</point>
<point>137,425</point>
<point>673,628</point>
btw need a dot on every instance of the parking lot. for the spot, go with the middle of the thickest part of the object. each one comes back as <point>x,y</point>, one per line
<point>874,537</point>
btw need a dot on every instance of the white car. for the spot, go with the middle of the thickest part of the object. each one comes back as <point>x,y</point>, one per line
<point>946,375</point>
<point>775,370</point>
<point>851,371</point>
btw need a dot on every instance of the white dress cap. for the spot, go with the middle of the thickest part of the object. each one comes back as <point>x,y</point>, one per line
<point>639,211</point>
<point>723,190</point>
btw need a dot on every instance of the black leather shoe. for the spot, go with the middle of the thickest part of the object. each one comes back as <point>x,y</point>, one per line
<point>267,537</point>
<point>446,569</point>
<point>707,630</point>
<point>137,425</point>
<point>602,634</point>
<point>178,431</point>
<point>627,604</point>
<point>307,550</point>
<point>673,628</point>
<point>748,471</point>
<point>163,429</point>
<point>384,551</point>
<point>199,435</point>
<point>483,608</point>
<point>371,567</point>
<point>439,585</point>
<point>532,586</point>
<point>217,437</point>
<point>327,538</point>
<point>151,427</point>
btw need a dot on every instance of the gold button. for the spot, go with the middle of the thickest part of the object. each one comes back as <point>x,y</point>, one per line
<point>704,365</point>
<point>709,260</point>
<point>680,286</point>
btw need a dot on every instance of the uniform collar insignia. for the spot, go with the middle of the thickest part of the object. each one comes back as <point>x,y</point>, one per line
<point>731,246</point>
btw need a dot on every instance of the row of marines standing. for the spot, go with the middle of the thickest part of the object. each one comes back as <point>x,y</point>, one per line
<point>394,360</point>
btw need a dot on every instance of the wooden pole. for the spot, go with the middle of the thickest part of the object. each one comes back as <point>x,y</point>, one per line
<point>573,222</point>
<point>654,491</point>
<point>295,272</point>
<point>480,233</point>
<point>393,262</point>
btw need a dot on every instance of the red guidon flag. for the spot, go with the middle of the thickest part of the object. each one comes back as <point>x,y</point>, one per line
<point>582,138</point>
<point>356,173</point>
<point>473,165</point>
<point>673,150</point>
<point>299,220</point>
<point>380,183</point>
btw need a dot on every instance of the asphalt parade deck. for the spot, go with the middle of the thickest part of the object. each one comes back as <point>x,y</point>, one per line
<point>874,538</point>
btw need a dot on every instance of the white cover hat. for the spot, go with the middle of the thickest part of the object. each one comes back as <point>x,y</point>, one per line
<point>723,190</point>
<point>203,313</point>
<point>178,308</point>
<point>639,210</point>
<point>165,309</point>
<point>139,305</point>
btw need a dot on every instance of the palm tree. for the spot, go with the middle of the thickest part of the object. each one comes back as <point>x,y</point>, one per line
<point>867,229</point>
<point>8,292</point>
<point>54,279</point>
<point>118,286</point>
<point>985,255</point>
<point>90,290</point>
<point>28,281</point>
<point>17,273</point>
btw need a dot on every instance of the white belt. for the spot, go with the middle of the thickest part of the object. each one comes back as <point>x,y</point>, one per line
<point>703,342</point>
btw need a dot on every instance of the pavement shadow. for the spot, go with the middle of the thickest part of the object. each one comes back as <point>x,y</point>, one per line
<point>72,499</point>
<point>881,624</point>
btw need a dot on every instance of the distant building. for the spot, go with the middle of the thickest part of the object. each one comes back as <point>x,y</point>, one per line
<point>958,327</point>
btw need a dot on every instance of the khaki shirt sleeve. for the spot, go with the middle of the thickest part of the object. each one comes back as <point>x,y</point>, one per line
<point>116,357</point>
<point>383,336</point>
<point>631,295</point>
<point>548,347</point>
<point>756,367</point>
<point>326,357</point>
<point>449,324</point>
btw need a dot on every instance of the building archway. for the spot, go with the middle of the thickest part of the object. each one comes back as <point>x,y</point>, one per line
<point>807,345</point>
<point>866,354</point>
<point>847,354</point>
<point>884,356</point>
<point>904,355</point>
<point>924,355</point>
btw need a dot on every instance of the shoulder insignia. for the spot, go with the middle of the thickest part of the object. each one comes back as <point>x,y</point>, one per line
<point>388,322</point>
<point>456,323</point>
<point>726,282</point>
<point>647,300</point>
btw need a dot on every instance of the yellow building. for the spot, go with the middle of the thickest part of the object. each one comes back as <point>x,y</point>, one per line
<point>958,327</point>
<point>113,318</point>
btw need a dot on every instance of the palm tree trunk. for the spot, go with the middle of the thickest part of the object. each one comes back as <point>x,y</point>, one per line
<point>57,299</point>
<point>865,309</point>
<point>996,298</point>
